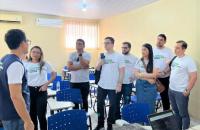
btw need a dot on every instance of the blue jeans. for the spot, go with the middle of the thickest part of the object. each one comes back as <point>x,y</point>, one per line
<point>179,104</point>
<point>126,92</point>
<point>146,93</point>
<point>16,124</point>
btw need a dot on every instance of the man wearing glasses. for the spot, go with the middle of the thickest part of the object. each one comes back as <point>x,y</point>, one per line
<point>130,61</point>
<point>13,84</point>
<point>110,83</point>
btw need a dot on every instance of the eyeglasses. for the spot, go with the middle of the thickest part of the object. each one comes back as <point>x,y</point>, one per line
<point>106,42</point>
<point>28,41</point>
<point>124,47</point>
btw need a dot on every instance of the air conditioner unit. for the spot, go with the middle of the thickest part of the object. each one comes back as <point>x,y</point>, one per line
<point>49,22</point>
<point>10,18</point>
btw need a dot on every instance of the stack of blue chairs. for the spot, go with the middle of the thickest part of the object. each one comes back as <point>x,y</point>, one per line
<point>68,120</point>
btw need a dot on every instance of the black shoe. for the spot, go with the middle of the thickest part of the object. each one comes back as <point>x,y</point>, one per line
<point>109,127</point>
<point>99,127</point>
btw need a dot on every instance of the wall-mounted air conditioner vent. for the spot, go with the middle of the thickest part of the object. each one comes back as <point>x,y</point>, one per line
<point>9,18</point>
<point>49,22</point>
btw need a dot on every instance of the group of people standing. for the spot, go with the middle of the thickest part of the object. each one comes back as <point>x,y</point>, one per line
<point>118,72</point>
<point>176,72</point>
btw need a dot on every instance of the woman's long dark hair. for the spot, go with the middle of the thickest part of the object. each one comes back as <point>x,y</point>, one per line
<point>41,61</point>
<point>150,57</point>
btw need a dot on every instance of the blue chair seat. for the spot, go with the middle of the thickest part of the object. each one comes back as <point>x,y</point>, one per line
<point>68,120</point>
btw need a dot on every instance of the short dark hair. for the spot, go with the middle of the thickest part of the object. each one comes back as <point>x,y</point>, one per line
<point>127,43</point>
<point>14,38</point>
<point>111,39</point>
<point>163,36</point>
<point>183,44</point>
<point>81,40</point>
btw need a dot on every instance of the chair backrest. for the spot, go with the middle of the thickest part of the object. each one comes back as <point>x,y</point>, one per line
<point>136,113</point>
<point>65,84</point>
<point>72,95</point>
<point>91,75</point>
<point>57,79</point>
<point>68,120</point>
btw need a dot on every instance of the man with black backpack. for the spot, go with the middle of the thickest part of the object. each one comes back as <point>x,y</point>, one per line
<point>111,78</point>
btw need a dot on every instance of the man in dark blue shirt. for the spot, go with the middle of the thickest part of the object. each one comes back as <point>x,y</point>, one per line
<point>13,83</point>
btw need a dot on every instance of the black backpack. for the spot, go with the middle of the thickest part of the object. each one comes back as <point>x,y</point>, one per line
<point>97,75</point>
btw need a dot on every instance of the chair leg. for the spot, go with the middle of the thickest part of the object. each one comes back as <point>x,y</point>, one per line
<point>52,112</point>
<point>94,105</point>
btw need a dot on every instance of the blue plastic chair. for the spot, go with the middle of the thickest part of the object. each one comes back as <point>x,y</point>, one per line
<point>72,95</point>
<point>91,75</point>
<point>68,120</point>
<point>65,84</point>
<point>133,99</point>
<point>136,113</point>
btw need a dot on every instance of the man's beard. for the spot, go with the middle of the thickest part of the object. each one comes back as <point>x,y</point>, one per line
<point>126,53</point>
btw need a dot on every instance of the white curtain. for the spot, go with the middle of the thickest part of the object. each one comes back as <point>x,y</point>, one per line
<point>88,31</point>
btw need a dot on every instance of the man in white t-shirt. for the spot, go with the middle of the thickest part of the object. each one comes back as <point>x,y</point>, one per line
<point>182,80</point>
<point>13,83</point>
<point>78,64</point>
<point>162,55</point>
<point>110,83</point>
<point>129,61</point>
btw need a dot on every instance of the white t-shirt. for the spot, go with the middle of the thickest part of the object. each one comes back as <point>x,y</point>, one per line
<point>139,66</point>
<point>35,77</point>
<point>130,61</point>
<point>110,71</point>
<point>82,75</point>
<point>13,69</point>
<point>161,58</point>
<point>180,69</point>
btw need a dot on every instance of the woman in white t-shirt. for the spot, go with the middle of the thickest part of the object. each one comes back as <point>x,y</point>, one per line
<point>146,74</point>
<point>37,70</point>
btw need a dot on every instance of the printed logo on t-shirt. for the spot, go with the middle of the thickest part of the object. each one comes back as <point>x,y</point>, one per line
<point>34,69</point>
<point>109,61</point>
<point>176,65</point>
<point>127,62</point>
<point>1,66</point>
<point>159,57</point>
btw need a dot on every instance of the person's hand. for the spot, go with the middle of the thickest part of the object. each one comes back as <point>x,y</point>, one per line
<point>28,125</point>
<point>44,87</point>
<point>186,92</point>
<point>151,81</point>
<point>137,74</point>
<point>156,73</point>
<point>118,88</point>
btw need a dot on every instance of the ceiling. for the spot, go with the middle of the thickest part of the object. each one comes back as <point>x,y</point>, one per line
<point>96,9</point>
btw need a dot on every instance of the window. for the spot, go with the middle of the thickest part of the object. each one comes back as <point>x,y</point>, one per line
<point>88,31</point>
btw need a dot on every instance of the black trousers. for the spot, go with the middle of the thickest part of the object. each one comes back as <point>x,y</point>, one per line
<point>101,96</point>
<point>164,94</point>
<point>38,107</point>
<point>84,88</point>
